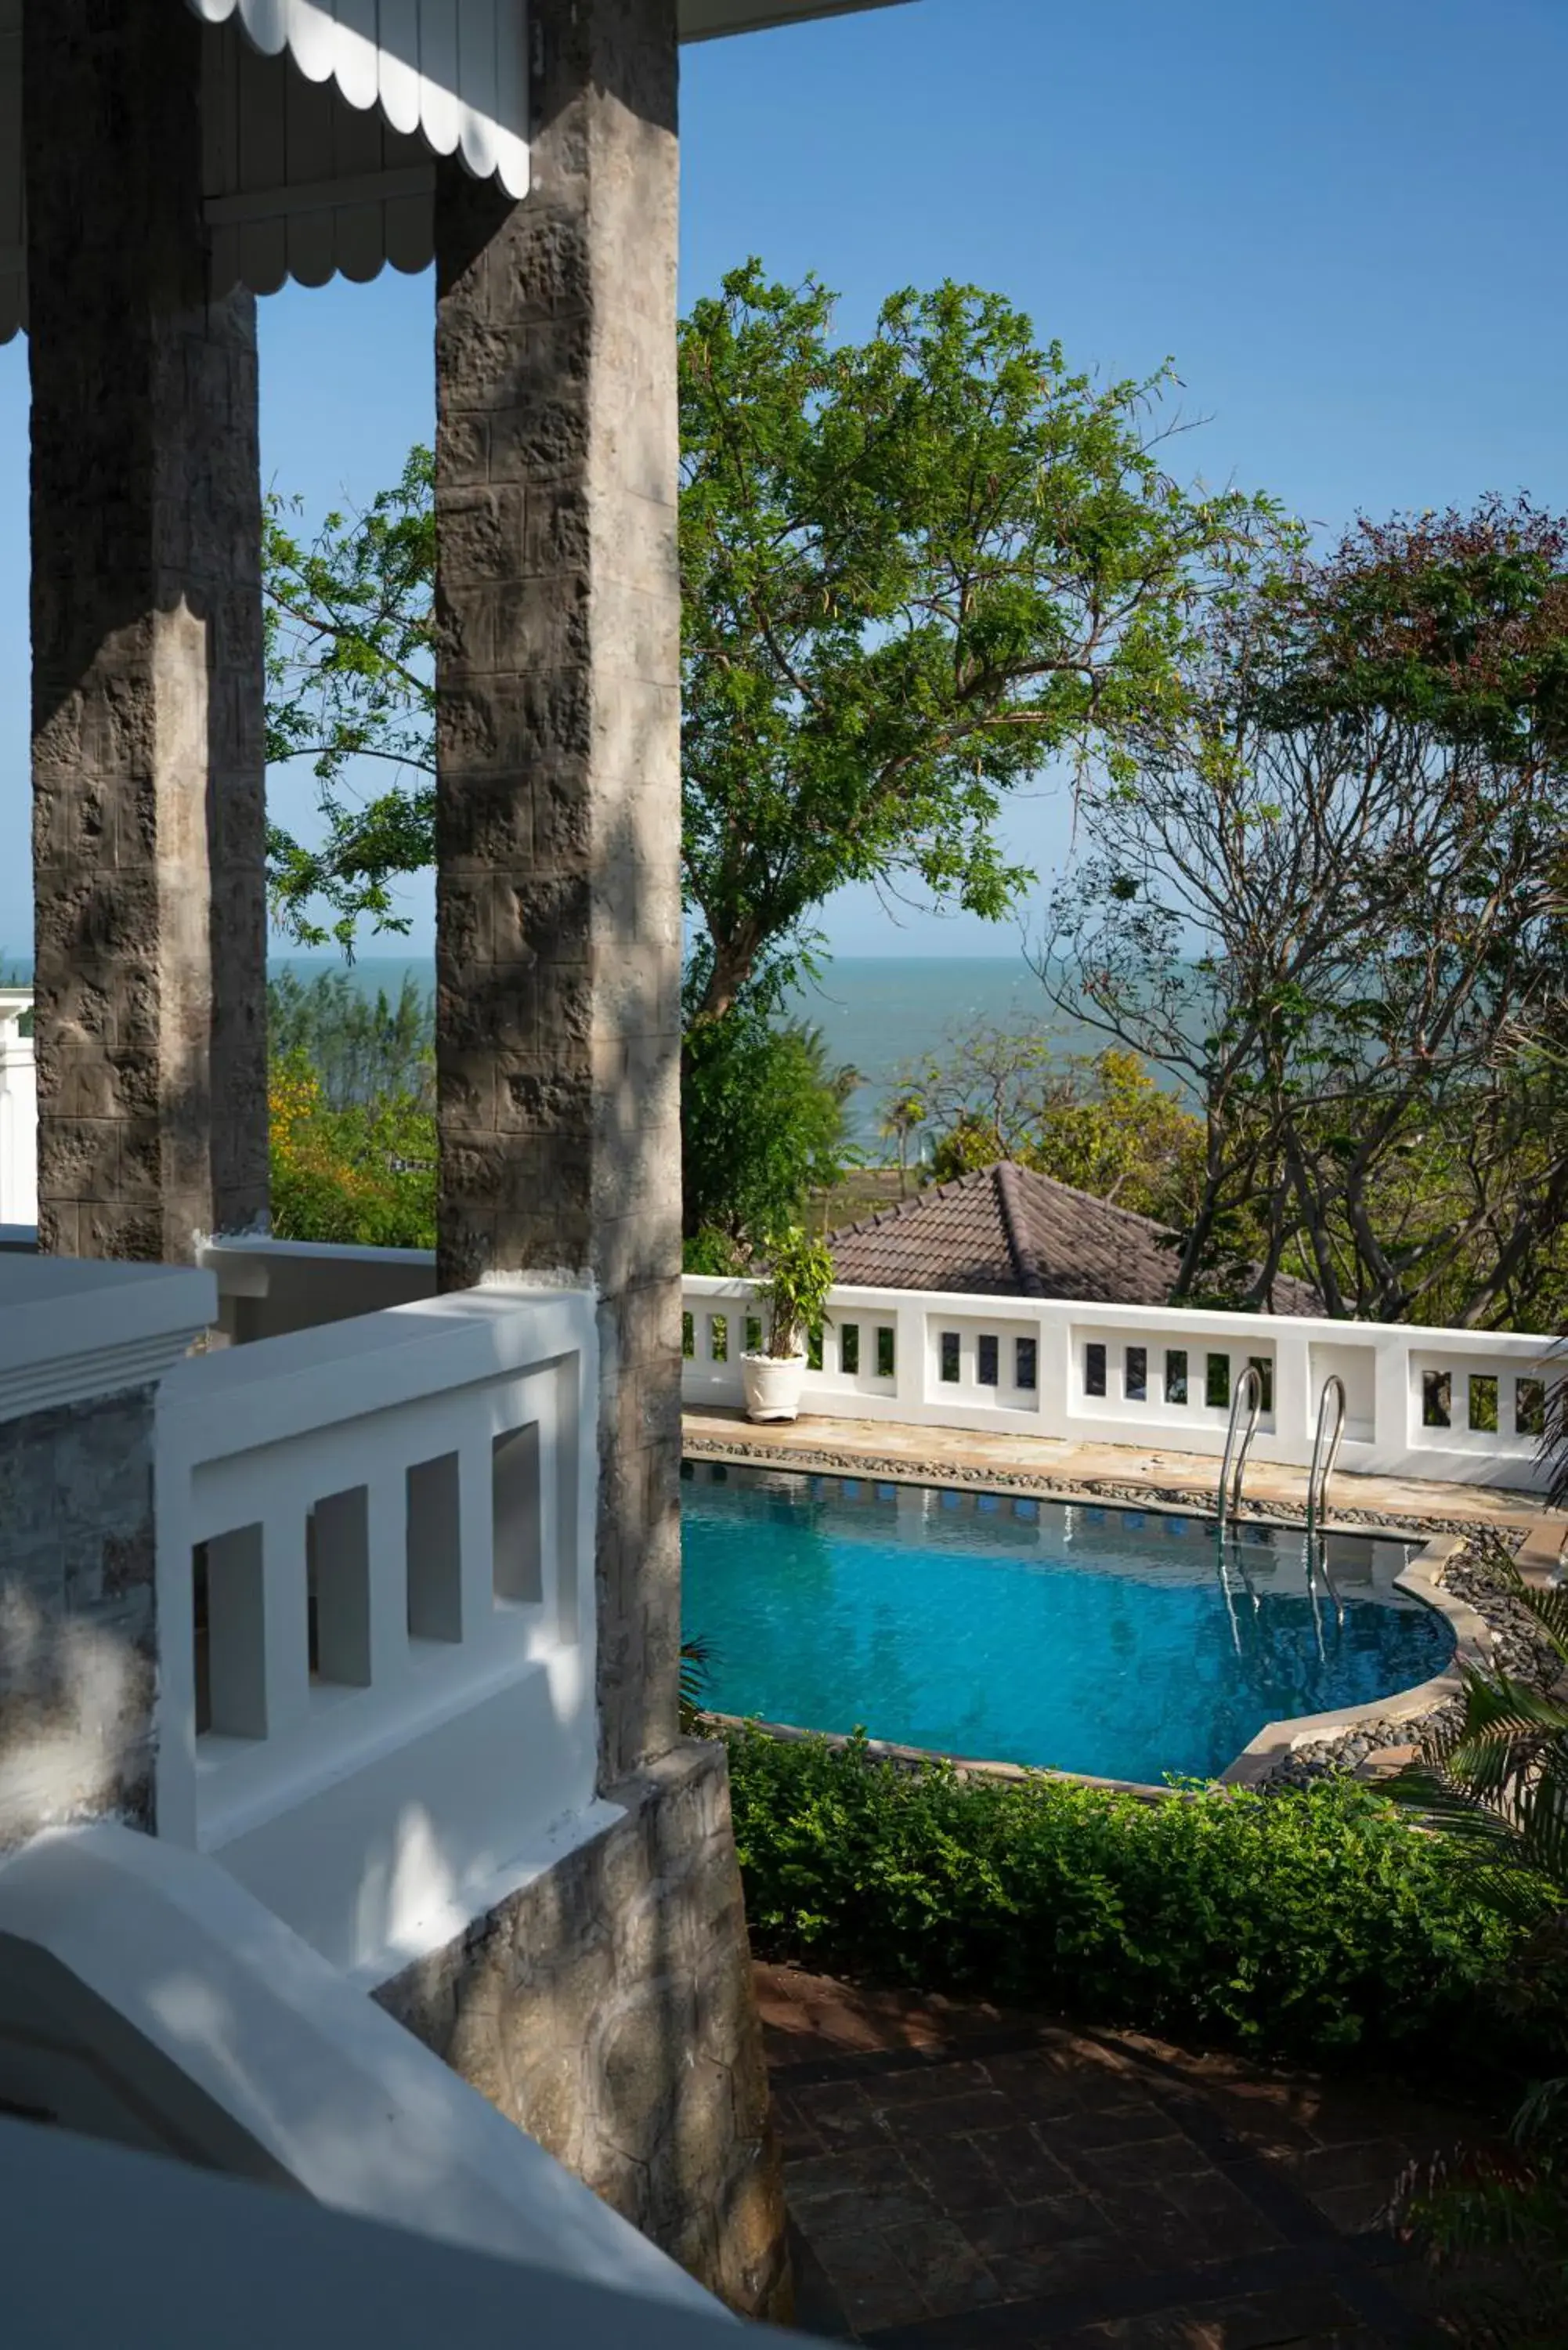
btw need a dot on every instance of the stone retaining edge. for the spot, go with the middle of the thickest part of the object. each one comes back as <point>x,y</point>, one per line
<point>1261,1756</point>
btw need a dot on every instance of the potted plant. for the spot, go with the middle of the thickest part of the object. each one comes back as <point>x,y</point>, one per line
<point>795,1297</point>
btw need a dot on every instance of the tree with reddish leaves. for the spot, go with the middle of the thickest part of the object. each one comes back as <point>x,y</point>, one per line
<point>1332,911</point>
<point>1456,624</point>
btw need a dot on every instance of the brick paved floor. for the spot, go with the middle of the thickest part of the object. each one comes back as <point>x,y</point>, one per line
<point>964,2180</point>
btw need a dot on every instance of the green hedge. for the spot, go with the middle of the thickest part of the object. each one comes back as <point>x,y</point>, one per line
<point>1302,1925</point>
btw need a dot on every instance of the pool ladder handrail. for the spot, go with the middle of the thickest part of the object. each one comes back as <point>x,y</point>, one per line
<point>1324,1452</point>
<point>1249,1396</point>
<point>1325,1447</point>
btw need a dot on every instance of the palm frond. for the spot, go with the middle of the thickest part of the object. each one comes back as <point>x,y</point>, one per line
<point>1544,2114</point>
<point>696,1672</point>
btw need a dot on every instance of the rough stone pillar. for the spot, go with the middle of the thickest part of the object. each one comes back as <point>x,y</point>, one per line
<point>148,760</point>
<point>558,793</point>
<point>610,2008</point>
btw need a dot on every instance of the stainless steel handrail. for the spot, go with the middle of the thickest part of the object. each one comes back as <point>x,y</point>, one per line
<point>1325,1447</point>
<point>1249,1587</point>
<point>1321,1468</point>
<point>1249,1394</point>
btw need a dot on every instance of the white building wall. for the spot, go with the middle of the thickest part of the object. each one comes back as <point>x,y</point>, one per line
<point>18,1112</point>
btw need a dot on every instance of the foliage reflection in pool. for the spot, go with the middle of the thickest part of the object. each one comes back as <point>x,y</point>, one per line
<point>1080,1638</point>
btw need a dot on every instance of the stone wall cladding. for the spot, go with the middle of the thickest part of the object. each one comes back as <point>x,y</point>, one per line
<point>608,2009</point>
<point>78,1615</point>
<point>149,817</point>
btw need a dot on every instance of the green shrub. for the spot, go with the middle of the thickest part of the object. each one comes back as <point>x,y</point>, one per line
<point>762,1122</point>
<point>1302,1925</point>
<point>363,1175</point>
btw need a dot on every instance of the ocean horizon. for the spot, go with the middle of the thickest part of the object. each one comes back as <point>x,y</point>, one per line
<point>882,1015</point>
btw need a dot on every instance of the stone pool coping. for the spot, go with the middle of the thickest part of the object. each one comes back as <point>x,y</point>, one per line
<point>1539,1535</point>
<point>1261,1756</point>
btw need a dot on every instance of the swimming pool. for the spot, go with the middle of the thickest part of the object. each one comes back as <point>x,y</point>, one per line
<point>1074,1637</point>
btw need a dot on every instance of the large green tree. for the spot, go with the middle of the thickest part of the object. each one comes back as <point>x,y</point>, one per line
<point>914,570</point>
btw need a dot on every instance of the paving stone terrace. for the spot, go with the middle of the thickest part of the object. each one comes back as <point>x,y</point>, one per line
<point>959,2178</point>
<point>1142,1474</point>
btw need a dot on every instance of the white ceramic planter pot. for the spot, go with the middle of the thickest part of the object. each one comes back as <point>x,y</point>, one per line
<point>773,1385</point>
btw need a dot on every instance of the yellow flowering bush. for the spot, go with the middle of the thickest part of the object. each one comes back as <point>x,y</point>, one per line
<point>364,1174</point>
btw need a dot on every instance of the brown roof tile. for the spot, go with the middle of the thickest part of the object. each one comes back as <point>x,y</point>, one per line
<point>1006,1232</point>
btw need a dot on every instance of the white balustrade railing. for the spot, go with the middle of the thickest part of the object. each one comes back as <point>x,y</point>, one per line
<point>269,1288</point>
<point>1464,1406</point>
<point>376,1600</point>
<point>18,1112</point>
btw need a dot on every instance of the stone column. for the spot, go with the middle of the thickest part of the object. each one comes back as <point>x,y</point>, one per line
<point>148,762</point>
<point>558,794</point>
<point>608,2009</point>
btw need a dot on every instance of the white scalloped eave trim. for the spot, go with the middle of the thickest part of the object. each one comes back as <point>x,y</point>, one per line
<point>454,71</point>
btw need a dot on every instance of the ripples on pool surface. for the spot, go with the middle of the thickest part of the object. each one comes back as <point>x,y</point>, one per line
<point>1097,1639</point>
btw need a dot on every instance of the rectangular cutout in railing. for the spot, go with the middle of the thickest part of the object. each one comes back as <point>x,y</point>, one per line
<point>1529,1407</point>
<point>1264,1366</point>
<point>338,1549</point>
<point>688,1337</point>
<point>1217,1383</point>
<point>1094,1368</point>
<point>381,1600</point>
<point>519,1548</point>
<point>236,1633</point>
<point>1175,1374</point>
<point>949,1358</point>
<point>1482,1402</point>
<point>1026,1364</point>
<point>435,1550</point>
<point>1138,1374</point>
<point>753,1334</point>
<point>1437,1399</point>
<point>849,1349</point>
<point>201,1636</point>
<point>887,1358</point>
<point>718,1338</point>
<point>987,1363</point>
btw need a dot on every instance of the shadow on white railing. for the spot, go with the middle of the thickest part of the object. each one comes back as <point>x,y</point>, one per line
<point>380,1535</point>
<point>1464,1406</point>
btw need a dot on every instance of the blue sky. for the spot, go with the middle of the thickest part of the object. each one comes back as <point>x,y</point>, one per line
<point>1346,221</point>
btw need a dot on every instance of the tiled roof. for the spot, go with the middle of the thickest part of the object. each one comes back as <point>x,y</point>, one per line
<point>1006,1232</point>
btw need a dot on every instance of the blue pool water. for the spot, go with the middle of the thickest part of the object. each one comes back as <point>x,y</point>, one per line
<point>1097,1639</point>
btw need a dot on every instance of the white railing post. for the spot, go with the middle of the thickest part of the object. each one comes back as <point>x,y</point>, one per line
<point>286,1636</point>
<point>1393,1404</point>
<point>911,1347</point>
<point>387,1537</point>
<point>1054,1368</point>
<point>1296,1406</point>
